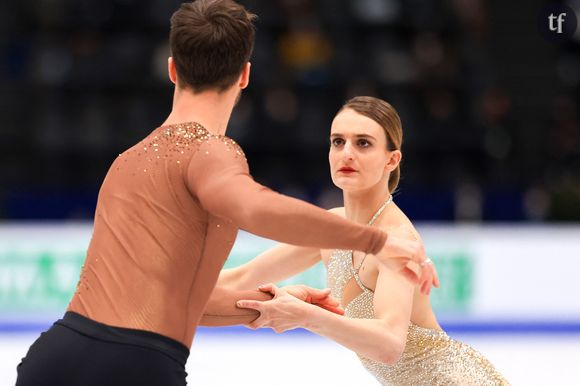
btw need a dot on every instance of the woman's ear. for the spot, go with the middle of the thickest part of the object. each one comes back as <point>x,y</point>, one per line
<point>394,160</point>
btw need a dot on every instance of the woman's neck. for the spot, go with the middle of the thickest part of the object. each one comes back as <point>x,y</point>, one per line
<point>361,206</point>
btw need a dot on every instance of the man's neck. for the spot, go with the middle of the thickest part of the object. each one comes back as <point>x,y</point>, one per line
<point>210,109</point>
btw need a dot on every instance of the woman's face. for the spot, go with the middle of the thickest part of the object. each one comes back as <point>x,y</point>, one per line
<point>358,156</point>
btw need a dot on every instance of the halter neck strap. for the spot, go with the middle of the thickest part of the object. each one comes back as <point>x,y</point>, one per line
<point>380,210</point>
<point>371,221</point>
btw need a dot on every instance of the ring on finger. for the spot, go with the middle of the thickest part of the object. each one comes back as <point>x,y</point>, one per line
<point>426,261</point>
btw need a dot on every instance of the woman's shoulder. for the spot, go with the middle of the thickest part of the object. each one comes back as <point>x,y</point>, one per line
<point>396,220</point>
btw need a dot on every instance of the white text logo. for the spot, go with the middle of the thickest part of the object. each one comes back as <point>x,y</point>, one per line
<point>559,19</point>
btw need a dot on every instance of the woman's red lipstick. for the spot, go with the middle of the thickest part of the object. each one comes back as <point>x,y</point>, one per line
<point>346,169</point>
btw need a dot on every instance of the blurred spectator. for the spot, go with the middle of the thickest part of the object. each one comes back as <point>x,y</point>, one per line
<point>490,111</point>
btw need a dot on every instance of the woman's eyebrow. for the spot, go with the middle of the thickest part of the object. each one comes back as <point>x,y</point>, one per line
<point>357,135</point>
<point>365,136</point>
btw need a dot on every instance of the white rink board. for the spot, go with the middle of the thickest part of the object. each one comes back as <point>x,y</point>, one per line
<point>522,273</point>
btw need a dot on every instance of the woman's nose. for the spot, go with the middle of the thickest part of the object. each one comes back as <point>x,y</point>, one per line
<point>348,152</point>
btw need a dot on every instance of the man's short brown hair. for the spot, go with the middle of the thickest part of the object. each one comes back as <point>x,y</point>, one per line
<point>211,41</point>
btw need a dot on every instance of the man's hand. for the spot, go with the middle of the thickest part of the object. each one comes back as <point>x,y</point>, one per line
<point>402,248</point>
<point>428,277</point>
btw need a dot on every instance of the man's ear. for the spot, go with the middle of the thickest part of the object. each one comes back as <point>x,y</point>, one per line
<point>245,76</point>
<point>171,71</point>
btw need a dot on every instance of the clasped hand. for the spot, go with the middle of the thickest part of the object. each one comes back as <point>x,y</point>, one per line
<point>289,308</point>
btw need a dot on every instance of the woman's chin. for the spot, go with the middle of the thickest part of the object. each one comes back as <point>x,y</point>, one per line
<point>355,186</point>
<point>347,186</point>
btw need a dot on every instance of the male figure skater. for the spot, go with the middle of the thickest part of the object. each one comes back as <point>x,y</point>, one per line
<point>167,216</point>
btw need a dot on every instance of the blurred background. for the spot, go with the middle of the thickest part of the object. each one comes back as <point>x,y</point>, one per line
<point>491,168</point>
<point>489,108</point>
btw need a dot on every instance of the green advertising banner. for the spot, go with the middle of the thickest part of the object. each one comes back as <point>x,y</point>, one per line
<point>40,275</point>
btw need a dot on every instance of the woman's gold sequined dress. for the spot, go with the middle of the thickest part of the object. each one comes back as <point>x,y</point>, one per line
<point>431,357</point>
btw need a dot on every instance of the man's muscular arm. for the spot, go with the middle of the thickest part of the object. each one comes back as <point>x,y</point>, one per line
<point>221,307</point>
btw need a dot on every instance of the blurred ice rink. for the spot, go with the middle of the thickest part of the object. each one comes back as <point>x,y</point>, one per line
<point>232,356</point>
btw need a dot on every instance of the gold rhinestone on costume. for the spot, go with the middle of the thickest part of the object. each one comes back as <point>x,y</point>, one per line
<point>430,357</point>
<point>180,137</point>
<point>177,141</point>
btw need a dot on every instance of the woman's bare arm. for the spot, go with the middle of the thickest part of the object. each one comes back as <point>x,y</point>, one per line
<point>275,264</point>
<point>382,338</point>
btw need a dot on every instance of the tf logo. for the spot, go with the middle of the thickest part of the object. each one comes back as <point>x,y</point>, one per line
<point>557,22</point>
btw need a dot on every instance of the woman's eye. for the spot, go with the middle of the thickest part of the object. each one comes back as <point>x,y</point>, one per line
<point>337,141</point>
<point>363,143</point>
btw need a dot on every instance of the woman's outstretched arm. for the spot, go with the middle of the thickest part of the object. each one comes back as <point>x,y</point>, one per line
<point>382,339</point>
<point>273,265</point>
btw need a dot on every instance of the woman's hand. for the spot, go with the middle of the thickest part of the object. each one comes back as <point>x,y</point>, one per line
<point>318,297</point>
<point>289,307</point>
<point>284,312</point>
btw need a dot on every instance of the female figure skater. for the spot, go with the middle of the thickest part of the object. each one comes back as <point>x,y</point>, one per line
<point>167,216</point>
<point>390,323</point>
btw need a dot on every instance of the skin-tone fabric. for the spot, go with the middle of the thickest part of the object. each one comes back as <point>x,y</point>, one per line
<point>167,217</point>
